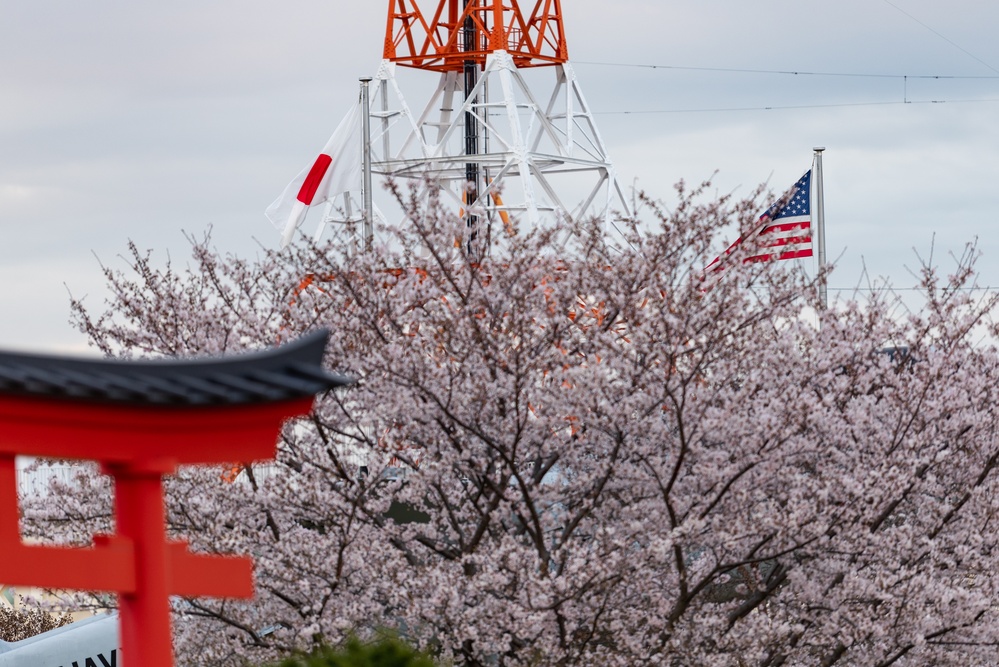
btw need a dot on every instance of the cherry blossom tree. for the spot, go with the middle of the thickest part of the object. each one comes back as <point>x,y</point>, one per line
<point>580,450</point>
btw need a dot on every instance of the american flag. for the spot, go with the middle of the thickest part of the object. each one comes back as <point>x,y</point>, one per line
<point>786,227</point>
<point>784,230</point>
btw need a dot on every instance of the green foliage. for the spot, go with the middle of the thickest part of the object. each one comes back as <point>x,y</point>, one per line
<point>355,653</point>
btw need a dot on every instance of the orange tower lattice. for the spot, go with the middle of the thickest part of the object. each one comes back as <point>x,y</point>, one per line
<point>498,144</point>
<point>459,31</point>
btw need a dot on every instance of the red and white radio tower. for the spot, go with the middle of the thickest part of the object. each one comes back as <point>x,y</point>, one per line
<point>492,145</point>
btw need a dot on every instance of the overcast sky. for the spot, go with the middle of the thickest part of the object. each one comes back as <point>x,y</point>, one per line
<point>123,120</point>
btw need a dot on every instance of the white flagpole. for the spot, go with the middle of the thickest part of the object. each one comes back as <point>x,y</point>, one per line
<point>820,222</point>
<point>368,225</point>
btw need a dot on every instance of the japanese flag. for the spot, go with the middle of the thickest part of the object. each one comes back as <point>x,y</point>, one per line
<point>335,171</point>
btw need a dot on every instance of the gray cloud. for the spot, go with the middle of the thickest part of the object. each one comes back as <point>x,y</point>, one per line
<point>143,121</point>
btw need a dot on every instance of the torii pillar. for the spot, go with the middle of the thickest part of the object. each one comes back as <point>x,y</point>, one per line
<point>140,420</point>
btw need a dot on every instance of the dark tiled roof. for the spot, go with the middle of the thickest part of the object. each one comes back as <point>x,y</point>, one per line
<point>288,372</point>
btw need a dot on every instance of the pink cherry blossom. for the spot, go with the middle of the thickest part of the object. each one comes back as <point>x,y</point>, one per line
<point>576,453</point>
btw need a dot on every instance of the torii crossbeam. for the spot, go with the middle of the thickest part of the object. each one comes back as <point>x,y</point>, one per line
<point>140,420</point>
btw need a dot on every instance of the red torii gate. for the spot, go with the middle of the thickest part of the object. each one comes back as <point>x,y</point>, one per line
<point>140,420</point>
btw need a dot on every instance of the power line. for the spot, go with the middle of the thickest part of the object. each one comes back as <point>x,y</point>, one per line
<point>793,106</point>
<point>888,288</point>
<point>742,70</point>
<point>942,36</point>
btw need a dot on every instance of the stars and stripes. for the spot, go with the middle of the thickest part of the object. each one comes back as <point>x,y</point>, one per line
<point>786,227</point>
<point>784,230</point>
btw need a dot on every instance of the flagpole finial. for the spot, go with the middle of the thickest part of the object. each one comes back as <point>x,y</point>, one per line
<point>819,149</point>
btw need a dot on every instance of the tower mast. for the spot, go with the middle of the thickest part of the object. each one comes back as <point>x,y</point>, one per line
<point>492,141</point>
<point>471,75</point>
